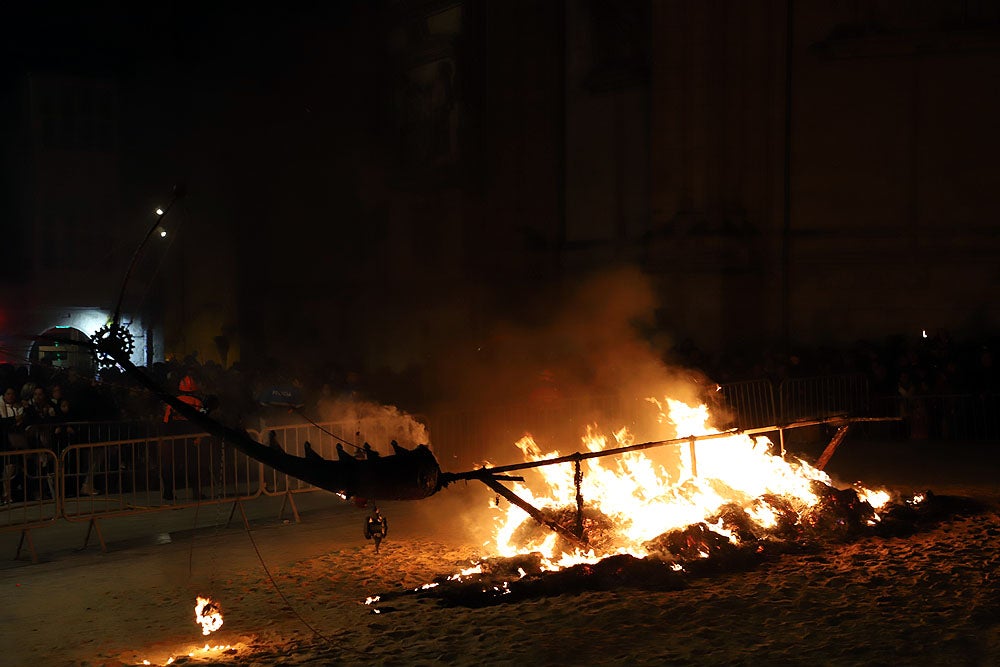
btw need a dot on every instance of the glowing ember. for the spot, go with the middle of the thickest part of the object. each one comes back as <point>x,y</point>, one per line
<point>632,498</point>
<point>208,614</point>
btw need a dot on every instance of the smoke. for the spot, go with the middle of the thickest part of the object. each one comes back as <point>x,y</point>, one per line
<point>593,357</point>
<point>374,423</point>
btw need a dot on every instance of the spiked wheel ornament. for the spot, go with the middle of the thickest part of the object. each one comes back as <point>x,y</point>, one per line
<point>110,340</point>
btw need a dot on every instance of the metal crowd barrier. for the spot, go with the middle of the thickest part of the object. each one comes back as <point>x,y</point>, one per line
<point>89,482</point>
<point>749,404</point>
<point>101,480</point>
<point>292,438</point>
<point>30,497</point>
<point>107,431</point>
<point>817,397</point>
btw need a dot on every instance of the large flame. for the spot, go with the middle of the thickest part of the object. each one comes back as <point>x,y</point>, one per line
<point>643,500</point>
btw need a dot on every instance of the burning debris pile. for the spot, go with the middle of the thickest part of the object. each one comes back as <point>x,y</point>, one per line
<point>698,550</point>
<point>654,524</point>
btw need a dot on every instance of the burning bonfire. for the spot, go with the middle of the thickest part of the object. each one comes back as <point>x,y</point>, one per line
<point>717,501</point>
<point>733,488</point>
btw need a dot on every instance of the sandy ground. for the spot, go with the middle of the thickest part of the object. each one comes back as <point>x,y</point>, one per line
<point>928,599</point>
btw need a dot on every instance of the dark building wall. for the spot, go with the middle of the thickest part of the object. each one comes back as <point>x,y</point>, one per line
<point>717,160</point>
<point>895,153</point>
<point>73,189</point>
<point>594,134</point>
<point>467,191</point>
<point>891,157</point>
<point>607,151</point>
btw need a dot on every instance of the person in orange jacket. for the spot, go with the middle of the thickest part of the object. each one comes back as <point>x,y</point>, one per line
<point>188,389</point>
<point>177,472</point>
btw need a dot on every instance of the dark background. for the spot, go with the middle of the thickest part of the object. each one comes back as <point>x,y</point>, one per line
<point>459,195</point>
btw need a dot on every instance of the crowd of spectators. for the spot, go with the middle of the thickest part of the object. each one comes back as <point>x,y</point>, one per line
<point>113,396</point>
<point>932,363</point>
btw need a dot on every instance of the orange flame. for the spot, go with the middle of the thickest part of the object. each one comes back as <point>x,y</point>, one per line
<point>643,500</point>
<point>208,614</point>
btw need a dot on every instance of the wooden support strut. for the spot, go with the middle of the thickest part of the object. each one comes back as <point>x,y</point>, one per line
<point>532,511</point>
<point>827,454</point>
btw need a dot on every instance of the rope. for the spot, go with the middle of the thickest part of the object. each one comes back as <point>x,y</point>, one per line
<point>263,565</point>
<point>277,590</point>
<point>194,535</point>
<point>299,412</point>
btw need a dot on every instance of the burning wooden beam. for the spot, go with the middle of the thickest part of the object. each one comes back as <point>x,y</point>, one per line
<point>533,511</point>
<point>827,454</point>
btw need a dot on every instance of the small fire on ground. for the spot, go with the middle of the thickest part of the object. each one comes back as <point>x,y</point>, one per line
<point>207,614</point>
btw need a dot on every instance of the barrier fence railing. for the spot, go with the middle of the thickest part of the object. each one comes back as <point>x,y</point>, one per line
<point>323,438</point>
<point>809,398</point>
<point>107,431</point>
<point>30,497</point>
<point>156,473</point>
<point>29,487</point>
<point>749,404</point>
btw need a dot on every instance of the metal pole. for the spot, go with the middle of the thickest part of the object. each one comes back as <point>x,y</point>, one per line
<point>578,479</point>
<point>481,473</point>
<point>178,193</point>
